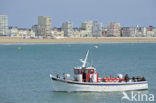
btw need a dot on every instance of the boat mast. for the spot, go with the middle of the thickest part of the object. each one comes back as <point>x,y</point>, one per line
<point>85,60</point>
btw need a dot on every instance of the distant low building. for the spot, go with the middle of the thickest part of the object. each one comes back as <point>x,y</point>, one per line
<point>134,31</point>
<point>26,33</point>
<point>154,31</point>
<point>20,32</point>
<point>104,32</point>
<point>151,31</point>
<point>150,34</point>
<point>76,32</point>
<point>129,31</point>
<point>13,31</point>
<point>142,32</point>
<point>58,33</point>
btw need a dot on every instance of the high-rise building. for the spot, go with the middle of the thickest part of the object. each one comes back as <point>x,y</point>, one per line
<point>3,25</point>
<point>88,27</point>
<point>97,29</point>
<point>113,29</point>
<point>67,27</point>
<point>44,24</point>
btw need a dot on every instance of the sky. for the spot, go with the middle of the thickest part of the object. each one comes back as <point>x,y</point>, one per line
<point>24,13</point>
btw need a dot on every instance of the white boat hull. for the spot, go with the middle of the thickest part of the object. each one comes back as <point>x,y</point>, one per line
<point>71,86</point>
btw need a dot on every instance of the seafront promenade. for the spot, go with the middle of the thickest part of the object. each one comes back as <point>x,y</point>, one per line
<point>15,40</point>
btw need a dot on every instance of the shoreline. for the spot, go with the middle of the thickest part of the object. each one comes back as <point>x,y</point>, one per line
<point>92,40</point>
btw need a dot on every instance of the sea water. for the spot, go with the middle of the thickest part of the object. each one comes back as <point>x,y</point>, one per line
<point>25,69</point>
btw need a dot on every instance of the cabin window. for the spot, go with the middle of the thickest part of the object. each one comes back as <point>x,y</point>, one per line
<point>77,71</point>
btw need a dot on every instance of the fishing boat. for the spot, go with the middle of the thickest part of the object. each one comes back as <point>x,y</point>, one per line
<point>86,79</point>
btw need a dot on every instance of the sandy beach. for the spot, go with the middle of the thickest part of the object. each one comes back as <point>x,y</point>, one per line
<point>15,40</point>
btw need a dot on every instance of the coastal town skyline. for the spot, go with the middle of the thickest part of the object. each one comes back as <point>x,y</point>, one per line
<point>23,14</point>
<point>81,51</point>
<point>74,26</point>
<point>44,29</point>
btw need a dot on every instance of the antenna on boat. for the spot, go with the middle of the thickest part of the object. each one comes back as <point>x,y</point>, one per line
<point>85,60</point>
<point>91,60</point>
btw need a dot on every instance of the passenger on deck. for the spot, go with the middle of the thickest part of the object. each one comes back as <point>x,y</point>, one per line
<point>126,78</point>
<point>57,76</point>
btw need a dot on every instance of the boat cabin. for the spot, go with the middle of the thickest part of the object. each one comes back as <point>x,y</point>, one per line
<point>83,74</point>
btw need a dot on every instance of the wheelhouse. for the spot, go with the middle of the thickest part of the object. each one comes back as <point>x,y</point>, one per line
<point>83,74</point>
